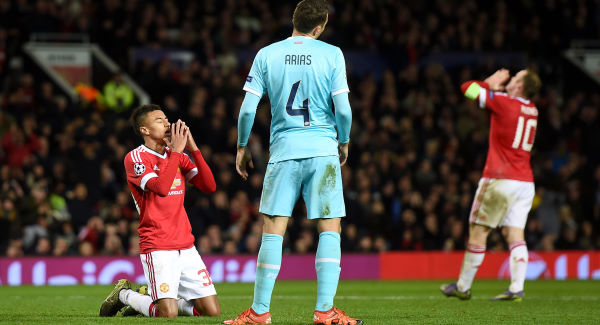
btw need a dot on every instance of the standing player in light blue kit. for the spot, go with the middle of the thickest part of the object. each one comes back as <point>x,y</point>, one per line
<point>304,79</point>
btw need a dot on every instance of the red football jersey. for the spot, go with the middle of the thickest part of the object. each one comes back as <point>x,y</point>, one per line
<point>512,132</point>
<point>164,224</point>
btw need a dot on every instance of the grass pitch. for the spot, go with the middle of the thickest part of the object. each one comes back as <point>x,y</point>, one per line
<point>376,302</point>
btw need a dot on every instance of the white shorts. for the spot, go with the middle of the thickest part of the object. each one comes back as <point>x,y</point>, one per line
<point>179,272</point>
<point>502,202</point>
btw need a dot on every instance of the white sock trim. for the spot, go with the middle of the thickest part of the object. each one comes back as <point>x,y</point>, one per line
<point>269,266</point>
<point>327,260</point>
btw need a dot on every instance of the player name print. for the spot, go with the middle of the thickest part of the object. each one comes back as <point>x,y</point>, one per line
<point>298,59</point>
<point>528,110</point>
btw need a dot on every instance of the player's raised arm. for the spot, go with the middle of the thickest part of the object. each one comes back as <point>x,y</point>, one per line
<point>198,174</point>
<point>482,91</point>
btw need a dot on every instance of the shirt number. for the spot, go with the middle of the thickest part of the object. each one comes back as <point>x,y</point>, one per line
<point>529,127</point>
<point>205,276</point>
<point>297,111</point>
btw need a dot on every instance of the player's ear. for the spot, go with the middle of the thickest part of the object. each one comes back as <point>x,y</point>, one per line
<point>318,30</point>
<point>144,130</point>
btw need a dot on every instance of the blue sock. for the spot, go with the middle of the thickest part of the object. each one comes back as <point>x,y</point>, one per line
<point>327,264</point>
<point>267,268</point>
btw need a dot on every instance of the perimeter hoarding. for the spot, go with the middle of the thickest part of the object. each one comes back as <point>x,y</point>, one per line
<point>581,265</point>
<point>106,270</point>
<point>242,268</point>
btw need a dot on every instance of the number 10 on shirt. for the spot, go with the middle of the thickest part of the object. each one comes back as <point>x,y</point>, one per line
<point>530,126</point>
<point>297,111</point>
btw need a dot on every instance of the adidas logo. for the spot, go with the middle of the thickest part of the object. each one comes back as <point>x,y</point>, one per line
<point>155,167</point>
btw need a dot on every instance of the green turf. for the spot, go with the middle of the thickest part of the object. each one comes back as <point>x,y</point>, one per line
<point>376,302</point>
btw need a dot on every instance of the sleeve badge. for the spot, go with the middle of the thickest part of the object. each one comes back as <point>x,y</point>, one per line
<point>139,168</point>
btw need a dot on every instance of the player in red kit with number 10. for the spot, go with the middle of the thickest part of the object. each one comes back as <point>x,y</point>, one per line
<point>506,190</point>
<point>156,175</point>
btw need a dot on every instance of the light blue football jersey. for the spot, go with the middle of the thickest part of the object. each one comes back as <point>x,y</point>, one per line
<point>300,75</point>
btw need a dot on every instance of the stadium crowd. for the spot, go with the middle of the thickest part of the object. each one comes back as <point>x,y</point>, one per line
<point>417,146</point>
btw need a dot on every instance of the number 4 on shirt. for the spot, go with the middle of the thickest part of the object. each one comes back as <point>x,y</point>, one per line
<point>297,111</point>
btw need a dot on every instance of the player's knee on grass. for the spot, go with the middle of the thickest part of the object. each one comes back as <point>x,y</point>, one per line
<point>167,308</point>
<point>208,306</point>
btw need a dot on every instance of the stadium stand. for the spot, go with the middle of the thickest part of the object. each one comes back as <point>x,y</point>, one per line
<point>417,147</point>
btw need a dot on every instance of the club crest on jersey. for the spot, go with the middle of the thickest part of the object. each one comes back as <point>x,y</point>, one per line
<point>249,79</point>
<point>164,287</point>
<point>139,168</point>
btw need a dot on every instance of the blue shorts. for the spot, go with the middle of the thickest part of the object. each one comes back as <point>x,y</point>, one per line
<point>319,179</point>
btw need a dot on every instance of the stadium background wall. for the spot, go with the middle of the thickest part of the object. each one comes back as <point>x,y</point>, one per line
<point>581,265</point>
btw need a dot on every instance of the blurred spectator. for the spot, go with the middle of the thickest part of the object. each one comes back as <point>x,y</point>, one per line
<point>203,245</point>
<point>134,246</point>
<point>86,249</point>
<point>61,247</point>
<point>19,146</point>
<point>92,232</point>
<point>80,207</point>
<point>15,248</point>
<point>230,248</point>
<point>33,233</point>
<point>43,247</point>
<point>117,95</point>
<point>8,218</point>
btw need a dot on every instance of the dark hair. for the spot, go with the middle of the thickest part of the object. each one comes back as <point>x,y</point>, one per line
<point>139,114</point>
<point>310,13</point>
<point>531,84</point>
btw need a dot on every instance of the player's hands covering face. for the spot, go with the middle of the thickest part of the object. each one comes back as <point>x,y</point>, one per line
<point>179,136</point>
<point>498,79</point>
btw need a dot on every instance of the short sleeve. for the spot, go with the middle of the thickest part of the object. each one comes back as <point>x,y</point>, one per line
<point>255,82</point>
<point>138,170</point>
<point>339,81</point>
<point>491,99</point>
<point>188,168</point>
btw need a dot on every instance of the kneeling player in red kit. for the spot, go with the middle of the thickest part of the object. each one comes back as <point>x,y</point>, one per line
<point>178,281</point>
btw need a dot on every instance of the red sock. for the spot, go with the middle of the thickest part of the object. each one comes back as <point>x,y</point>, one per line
<point>196,312</point>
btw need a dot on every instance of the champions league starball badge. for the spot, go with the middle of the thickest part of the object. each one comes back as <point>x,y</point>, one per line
<point>139,168</point>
